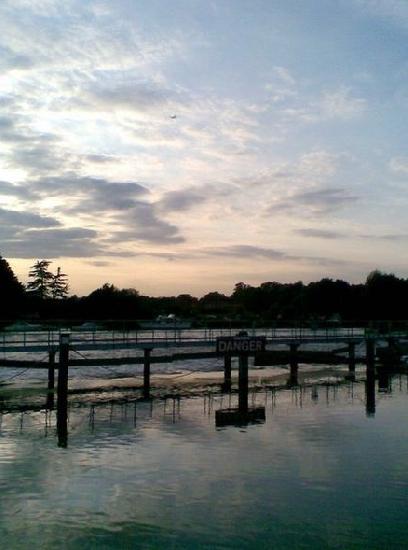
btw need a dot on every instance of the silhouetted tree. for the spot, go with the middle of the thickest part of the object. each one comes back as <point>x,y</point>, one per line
<point>214,302</point>
<point>41,279</point>
<point>110,302</point>
<point>59,285</point>
<point>11,291</point>
<point>386,296</point>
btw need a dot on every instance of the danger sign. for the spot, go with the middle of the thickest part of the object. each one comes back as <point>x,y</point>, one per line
<point>235,345</point>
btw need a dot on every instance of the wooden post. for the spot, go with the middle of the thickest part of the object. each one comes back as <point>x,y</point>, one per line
<point>352,356</point>
<point>243,384</point>
<point>51,369</point>
<point>293,363</point>
<point>146,373</point>
<point>227,372</point>
<point>370,353</point>
<point>370,392</point>
<point>62,391</point>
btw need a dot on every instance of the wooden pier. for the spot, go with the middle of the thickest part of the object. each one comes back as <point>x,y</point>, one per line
<point>277,348</point>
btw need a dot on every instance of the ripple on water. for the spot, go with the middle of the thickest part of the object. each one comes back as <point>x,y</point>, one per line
<point>319,473</point>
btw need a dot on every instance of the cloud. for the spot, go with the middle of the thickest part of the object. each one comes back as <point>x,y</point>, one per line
<point>328,105</point>
<point>399,165</point>
<point>118,90</point>
<point>88,194</point>
<point>181,200</point>
<point>21,241</point>
<point>317,202</point>
<point>341,104</point>
<point>247,251</point>
<point>320,233</point>
<point>22,220</point>
<point>99,263</point>
<point>386,237</point>
<point>244,251</point>
<point>143,224</point>
<point>10,132</point>
<point>127,217</point>
<point>14,190</point>
<point>11,61</point>
<point>281,85</point>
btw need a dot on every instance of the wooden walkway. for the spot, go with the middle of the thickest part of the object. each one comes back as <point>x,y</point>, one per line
<point>41,342</point>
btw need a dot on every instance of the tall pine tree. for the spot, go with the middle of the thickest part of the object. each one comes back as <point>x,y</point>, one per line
<point>59,285</point>
<point>11,292</point>
<point>40,279</point>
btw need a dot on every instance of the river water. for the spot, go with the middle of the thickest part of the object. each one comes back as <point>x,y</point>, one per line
<point>328,468</point>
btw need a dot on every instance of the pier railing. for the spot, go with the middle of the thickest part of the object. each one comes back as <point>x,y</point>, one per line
<point>42,340</point>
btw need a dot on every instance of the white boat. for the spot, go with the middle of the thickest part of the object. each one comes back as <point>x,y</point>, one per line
<point>165,322</point>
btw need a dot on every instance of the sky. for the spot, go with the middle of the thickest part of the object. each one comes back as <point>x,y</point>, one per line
<point>185,146</point>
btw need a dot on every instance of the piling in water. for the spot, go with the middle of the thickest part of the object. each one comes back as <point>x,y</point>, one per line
<point>243,383</point>
<point>62,391</point>
<point>227,372</point>
<point>146,373</point>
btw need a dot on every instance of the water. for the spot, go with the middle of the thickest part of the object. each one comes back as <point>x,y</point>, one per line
<point>323,471</point>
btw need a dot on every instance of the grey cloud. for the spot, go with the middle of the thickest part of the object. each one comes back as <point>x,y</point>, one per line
<point>320,233</point>
<point>23,220</point>
<point>91,194</point>
<point>387,237</point>
<point>13,190</point>
<point>181,200</point>
<point>99,263</point>
<point>33,151</point>
<point>10,131</point>
<point>319,201</point>
<point>257,252</point>
<point>72,233</point>
<point>68,242</point>
<point>38,157</point>
<point>101,159</point>
<point>145,225</point>
<point>247,251</point>
<point>10,60</point>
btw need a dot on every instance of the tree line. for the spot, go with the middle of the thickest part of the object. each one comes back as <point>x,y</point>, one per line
<point>46,296</point>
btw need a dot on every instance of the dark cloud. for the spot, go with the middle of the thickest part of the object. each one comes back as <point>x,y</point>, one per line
<point>320,233</point>
<point>88,194</point>
<point>140,219</point>
<point>14,190</point>
<point>319,201</point>
<point>181,200</point>
<point>247,251</point>
<point>69,242</point>
<point>244,251</point>
<point>145,225</point>
<point>22,220</point>
<point>11,132</point>
<point>39,157</point>
<point>35,152</point>
<point>71,233</point>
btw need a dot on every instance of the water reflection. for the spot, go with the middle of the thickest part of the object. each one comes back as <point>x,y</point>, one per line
<point>158,473</point>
